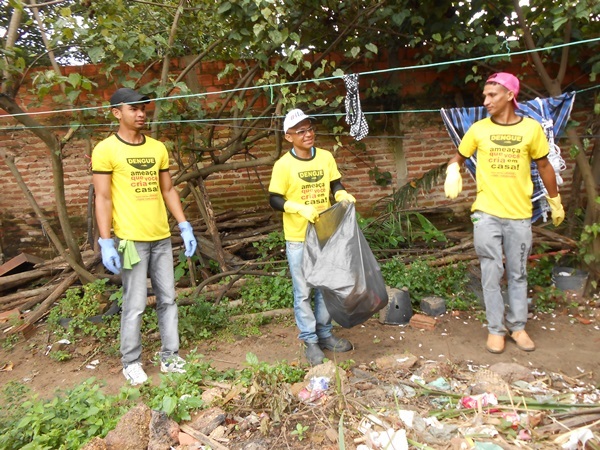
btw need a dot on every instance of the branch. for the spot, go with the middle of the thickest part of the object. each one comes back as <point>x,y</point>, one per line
<point>549,83</point>
<point>564,57</point>
<point>84,274</point>
<point>206,171</point>
<point>11,38</point>
<point>164,76</point>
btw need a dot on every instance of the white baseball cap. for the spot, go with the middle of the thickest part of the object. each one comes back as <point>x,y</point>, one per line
<point>293,118</point>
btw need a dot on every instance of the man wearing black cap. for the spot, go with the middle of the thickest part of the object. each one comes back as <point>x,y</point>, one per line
<point>132,184</point>
<point>301,183</point>
<point>506,144</point>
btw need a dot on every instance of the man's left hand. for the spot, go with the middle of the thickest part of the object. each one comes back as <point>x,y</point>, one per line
<point>189,240</point>
<point>558,213</point>
<point>342,195</point>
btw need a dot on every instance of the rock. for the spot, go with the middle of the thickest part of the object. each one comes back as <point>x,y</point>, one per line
<point>95,444</point>
<point>164,432</point>
<point>208,420</point>
<point>185,440</point>
<point>421,322</point>
<point>433,306</point>
<point>209,396</point>
<point>133,430</point>
<point>510,372</point>
<point>487,381</point>
<point>396,362</point>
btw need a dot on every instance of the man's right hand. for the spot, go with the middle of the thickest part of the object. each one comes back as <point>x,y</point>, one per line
<point>453,183</point>
<point>110,256</point>
<point>309,212</point>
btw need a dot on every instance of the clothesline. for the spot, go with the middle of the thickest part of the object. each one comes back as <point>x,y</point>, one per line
<point>320,80</point>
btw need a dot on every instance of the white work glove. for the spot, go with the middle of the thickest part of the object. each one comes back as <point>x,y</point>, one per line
<point>342,195</point>
<point>309,212</point>
<point>189,240</point>
<point>453,183</point>
<point>110,256</point>
<point>558,212</point>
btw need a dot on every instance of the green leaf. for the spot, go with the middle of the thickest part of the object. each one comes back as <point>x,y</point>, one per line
<point>169,404</point>
<point>74,79</point>
<point>355,51</point>
<point>251,359</point>
<point>226,6</point>
<point>371,47</point>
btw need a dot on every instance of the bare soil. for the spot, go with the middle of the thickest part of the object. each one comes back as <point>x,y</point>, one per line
<point>566,344</point>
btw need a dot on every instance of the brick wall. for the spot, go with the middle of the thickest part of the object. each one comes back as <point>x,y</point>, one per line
<point>405,144</point>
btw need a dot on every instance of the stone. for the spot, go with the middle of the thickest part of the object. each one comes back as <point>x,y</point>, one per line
<point>208,420</point>
<point>421,322</point>
<point>510,372</point>
<point>164,432</point>
<point>433,306</point>
<point>133,430</point>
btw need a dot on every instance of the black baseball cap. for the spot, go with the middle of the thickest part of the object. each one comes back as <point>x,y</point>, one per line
<point>127,95</point>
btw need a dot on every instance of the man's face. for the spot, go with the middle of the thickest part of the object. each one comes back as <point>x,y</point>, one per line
<point>302,136</point>
<point>496,98</point>
<point>132,117</point>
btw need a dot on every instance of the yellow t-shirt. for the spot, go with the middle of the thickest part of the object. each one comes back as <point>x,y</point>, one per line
<point>503,172</point>
<point>304,181</point>
<point>139,211</point>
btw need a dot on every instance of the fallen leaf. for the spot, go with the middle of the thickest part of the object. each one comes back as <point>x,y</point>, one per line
<point>7,367</point>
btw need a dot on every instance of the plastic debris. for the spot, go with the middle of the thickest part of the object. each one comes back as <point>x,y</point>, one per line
<point>315,391</point>
<point>479,401</point>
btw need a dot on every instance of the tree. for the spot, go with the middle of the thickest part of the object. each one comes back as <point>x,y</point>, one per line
<point>264,43</point>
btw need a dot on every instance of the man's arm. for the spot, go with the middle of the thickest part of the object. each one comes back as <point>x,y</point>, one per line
<point>548,176</point>
<point>171,196</point>
<point>102,189</point>
<point>457,158</point>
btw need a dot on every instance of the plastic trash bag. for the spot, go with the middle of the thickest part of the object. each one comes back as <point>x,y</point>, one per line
<point>338,261</point>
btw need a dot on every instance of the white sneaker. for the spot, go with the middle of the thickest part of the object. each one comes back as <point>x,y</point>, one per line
<point>172,364</point>
<point>135,374</point>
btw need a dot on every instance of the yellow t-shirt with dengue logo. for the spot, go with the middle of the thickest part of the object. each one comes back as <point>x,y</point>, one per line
<point>503,172</point>
<point>139,212</point>
<point>304,181</point>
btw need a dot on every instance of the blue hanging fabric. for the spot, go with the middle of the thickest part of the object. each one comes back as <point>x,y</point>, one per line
<point>552,113</point>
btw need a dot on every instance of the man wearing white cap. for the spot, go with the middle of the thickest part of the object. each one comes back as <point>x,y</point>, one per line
<point>301,183</point>
<point>506,143</point>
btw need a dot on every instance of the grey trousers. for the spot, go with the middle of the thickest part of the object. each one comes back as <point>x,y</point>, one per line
<point>157,262</point>
<point>492,236</point>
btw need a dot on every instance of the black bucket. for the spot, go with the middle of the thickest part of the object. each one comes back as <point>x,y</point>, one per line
<point>569,279</point>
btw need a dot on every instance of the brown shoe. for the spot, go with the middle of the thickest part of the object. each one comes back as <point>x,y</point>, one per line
<point>495,343</point>
<point>523,340</point>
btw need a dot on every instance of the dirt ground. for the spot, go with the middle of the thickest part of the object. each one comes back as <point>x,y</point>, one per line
<point>565,344</point>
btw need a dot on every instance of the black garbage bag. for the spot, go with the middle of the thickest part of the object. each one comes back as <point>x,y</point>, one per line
<point>338,261</point>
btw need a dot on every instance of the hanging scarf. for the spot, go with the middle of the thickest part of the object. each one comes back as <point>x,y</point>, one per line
<point>354,115</point>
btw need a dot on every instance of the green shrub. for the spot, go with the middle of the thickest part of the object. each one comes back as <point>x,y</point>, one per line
<point>450,282</point>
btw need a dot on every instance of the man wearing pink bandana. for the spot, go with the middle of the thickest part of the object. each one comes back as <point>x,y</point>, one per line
<point>506,143</point>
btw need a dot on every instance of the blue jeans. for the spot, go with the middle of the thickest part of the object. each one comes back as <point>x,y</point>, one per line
<point>492,235</point>
<point>312,325</point>
<point>156,261</point>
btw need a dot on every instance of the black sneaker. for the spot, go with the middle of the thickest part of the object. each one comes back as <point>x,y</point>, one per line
<point>336,344</point>
<point>314,354</point>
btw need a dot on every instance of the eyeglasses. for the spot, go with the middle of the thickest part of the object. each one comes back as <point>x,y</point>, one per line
<point>303,131</point>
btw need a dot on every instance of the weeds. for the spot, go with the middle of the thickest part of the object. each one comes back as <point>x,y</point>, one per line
<point>449,282</point>
<point>73,315</point>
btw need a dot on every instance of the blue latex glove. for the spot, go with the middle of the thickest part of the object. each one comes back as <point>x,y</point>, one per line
<point>110,257</point>
<point>189,240</point>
